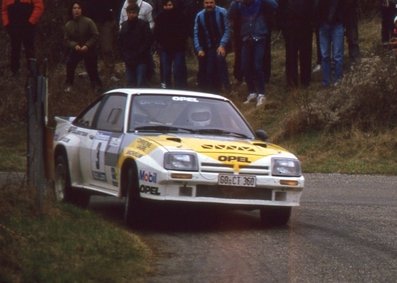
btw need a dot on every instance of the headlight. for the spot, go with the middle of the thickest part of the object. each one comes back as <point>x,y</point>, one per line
<point>286,167</point>
<point>180,161</point>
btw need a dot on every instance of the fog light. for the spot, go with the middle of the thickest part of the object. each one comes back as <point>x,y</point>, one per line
<point>181,176</point>
<point>292,183</point>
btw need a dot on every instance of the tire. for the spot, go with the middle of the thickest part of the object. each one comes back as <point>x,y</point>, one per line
<point>133,209</point>
<point>63,190</point>
<point>275,215</point>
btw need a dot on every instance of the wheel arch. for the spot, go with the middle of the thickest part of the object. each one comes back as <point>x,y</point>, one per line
<point>73,164</point>
<point>128,163</point>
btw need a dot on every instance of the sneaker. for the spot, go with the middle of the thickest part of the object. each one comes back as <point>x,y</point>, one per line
<point>250,98</point>
<point>114,79</point>
<point>316,68</point>
<point>68,89</point>
<point>260,100</point>
<point>163,85</point>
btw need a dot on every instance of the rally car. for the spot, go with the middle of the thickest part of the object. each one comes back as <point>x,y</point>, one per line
<point>171,146</point>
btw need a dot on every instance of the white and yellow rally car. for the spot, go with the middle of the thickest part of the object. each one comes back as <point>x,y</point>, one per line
<point>172,146</point>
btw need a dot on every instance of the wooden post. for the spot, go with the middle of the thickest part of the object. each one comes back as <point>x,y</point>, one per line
<point>36,91</point>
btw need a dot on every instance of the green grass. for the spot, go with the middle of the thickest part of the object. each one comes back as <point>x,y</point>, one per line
<point>13,147</point>
<point>64,244</point>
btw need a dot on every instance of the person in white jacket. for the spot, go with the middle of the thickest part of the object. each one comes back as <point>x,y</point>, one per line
<point>145,12</point>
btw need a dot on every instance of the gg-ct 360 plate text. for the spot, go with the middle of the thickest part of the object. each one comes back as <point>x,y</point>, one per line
<point>236,180</point>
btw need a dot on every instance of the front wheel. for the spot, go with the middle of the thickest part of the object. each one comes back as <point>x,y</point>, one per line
<point>64,192</point>
<point>133,213</point>
<point>275,215</point>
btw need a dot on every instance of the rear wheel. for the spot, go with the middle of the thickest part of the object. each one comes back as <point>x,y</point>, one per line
<point>133,213</point>
<point>275,215</point>
<point>63,190</point>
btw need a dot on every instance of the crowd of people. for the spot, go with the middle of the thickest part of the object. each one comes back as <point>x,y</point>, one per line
<point>136,30</point>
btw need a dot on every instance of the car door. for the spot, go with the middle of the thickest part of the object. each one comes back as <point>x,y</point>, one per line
<point>100,148</point>
<point>106,143</point>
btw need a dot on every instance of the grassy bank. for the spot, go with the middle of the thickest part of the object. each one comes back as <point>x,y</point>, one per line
<point>63,243</point>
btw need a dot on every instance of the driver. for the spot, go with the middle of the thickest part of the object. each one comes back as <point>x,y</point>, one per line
<point>200,116</point>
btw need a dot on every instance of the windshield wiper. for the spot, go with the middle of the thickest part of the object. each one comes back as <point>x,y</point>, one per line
<point>162,129</point>
<point>221,132</point>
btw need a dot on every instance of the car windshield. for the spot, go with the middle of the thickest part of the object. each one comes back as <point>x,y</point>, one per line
<point>186,114</point>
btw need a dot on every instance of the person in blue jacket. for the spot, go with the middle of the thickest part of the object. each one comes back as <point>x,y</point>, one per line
<point>211,36</point>
<point>254,30</point>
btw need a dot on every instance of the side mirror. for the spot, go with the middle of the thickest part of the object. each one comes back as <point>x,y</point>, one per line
<point>261,134</point>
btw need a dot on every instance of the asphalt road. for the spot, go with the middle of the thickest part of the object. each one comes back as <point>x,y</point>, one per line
<point>344,231</point>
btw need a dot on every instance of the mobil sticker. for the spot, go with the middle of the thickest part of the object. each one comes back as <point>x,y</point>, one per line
<point>147,176</point>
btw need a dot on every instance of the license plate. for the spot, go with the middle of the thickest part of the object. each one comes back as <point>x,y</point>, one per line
<point>236,180</point>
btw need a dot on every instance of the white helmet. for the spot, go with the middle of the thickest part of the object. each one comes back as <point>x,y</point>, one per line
<point>200,116</point>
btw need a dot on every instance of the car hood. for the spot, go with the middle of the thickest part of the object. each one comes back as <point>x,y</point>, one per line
<point>216,146</point>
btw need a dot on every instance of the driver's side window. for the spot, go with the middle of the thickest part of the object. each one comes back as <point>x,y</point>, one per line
<point>86,119</point>
<point>111,116</point>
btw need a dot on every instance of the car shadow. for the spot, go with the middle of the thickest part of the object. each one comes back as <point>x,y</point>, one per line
<point>179,218</point>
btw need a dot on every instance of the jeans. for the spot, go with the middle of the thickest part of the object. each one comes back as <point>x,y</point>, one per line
<point>331,42</point>
<point>90,59</point>
<point>213,72</point>
<point>136,74</point>
<point>23,36</point>
<point>298,56</point>
<point>173,63</point>
<point>252,58</point>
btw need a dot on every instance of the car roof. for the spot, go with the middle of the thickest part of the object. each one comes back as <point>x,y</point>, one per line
<point>138,91</point>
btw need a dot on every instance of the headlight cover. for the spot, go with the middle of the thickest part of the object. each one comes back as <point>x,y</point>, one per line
<point>180,161</point>
<point>287,167</point>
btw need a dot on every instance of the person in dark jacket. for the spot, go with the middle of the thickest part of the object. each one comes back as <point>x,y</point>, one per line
<point>253,31</point>
<point>20,18</point>
<point>330,19</point>
<point>211,36</point>
<point>135,41</point>
<point>170,34</point>
<point>296,21</point>
<point>104,13</point>
<point>81,36</point>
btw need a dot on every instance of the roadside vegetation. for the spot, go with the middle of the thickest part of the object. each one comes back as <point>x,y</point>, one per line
<point>62,243</point>
<point>350,128</point>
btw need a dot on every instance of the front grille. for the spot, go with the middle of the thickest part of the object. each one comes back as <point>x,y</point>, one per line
<point>228,168</point>
<point>230,192</point>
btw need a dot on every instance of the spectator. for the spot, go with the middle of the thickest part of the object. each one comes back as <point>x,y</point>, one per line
<point>296,22</point>
<point>145,12</point>
<point>253,29</point>
<point>20,18</point>
<point>237,71</point>
<point>135,40</point>
<point>103,13</point>
<point>388,12</point>
<point>170,34</point>
<point>81,36</point>
<point>351,27</point>
<point>331,30</point>
<point>211,36</point>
